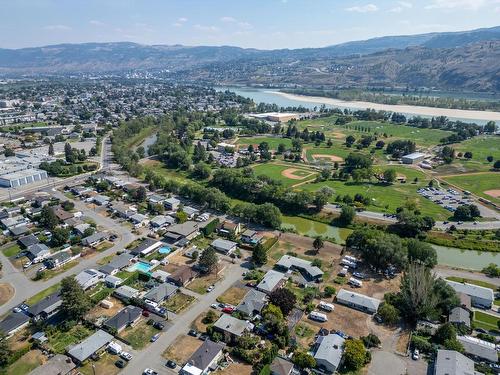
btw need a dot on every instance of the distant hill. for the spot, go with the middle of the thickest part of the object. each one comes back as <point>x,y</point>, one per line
<point>460,60</point>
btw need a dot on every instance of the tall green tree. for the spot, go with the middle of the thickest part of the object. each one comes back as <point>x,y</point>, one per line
<point>259,255</point>
<point>48,218</point>
<point>318,244</point>
<point>75,303</point>
<point>347,215</point>
<point>355,354</point>
<point>209,259</point>
<point>5,351</point>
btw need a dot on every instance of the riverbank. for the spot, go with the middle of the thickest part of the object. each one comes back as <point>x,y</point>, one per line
<point>470,115</point>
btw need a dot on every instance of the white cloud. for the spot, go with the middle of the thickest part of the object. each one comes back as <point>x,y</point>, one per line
<point>205,28</point>
<point>363,8</point>
<point>180,22</point>
<point>402,5</point>
<point>245,25</point>
<point>96,23</point>
<point>57,28</point>
<point>228,19</point>
<point>459,4</point>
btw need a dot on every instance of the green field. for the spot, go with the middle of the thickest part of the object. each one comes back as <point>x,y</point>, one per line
<point>313,228</point>
<point>481,147</point>
<point>477,183</point>
<point>12,250</point>
<point>274,171</point>
<point>336,149</point>
<point>485,321</point>
<point>272,141</point>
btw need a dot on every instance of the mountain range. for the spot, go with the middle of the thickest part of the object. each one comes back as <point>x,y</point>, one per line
<point>466,60</point>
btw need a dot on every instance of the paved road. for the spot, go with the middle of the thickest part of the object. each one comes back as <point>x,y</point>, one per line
<point>25,288</point>
<point>445,272</point>
<point>151,356</point>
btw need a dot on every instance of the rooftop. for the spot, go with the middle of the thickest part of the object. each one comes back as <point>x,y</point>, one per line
<point>450,362</point>
<point>232,325</point>
<point>90,345</point>
<point>472,290</point>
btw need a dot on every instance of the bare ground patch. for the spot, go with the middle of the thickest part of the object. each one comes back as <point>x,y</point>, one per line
<point>495,193</point>
<point>6,292</point>
<point>296,174</point>
<point>182,349</point>
<point>232,296</point>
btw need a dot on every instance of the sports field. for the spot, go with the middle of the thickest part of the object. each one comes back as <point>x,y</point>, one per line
<point>272,141</point>
<point>338,150</point>
<point>481,147</point>
<point>485,185</point>
<point>288,175</point>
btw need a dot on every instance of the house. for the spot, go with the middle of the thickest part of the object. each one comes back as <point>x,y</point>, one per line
<point>280,366</point>
<point>480,296</point>
<point>272,280</point>
<point>37,252</point>
<point>27,241</point>
<point>459,316</point>
<point>160,275</point>
<point>231,328</point>
<point>187,230</point>
<point>82,351</point>
<point>228,228</point>
<point>58,364</point>
<point>95,239</point>
<point>172,204</point>
<point>117,263</point>
<point>329,351</point>
<point>450,362</point>
<point>112,281</point>
<point>47,307</point>
<point>358,301</point>
<point>224,246</point>
<point>18,230</point>
<point>13,323</point>
<point>59,259</point>
<point>39,337</point>
<point>479,348</point>
<point>161,292</point>
<point>465,301</point>
<point>146,247</point>
<point>79,190</point>
<point>156,199</point>
<point>126,317</point>
<point>139,220</point>
<point>305,267</point>
<point>191,212</point>
<point>62,214</point>
<point>81,228</point>
<point>122,210</point>
<point>182,276</point>
<point>251,237</point>
<point>126,293</point>
<point>204,359</point>
<point>100,200</point>
<point>88,278</point>
<point>253,303</point>
<point>161,221</point>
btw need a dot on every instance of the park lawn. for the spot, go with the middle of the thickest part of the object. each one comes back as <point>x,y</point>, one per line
<point>44,293</point>
<point>275,171</point>
<point>172,174</point>
<point>472,281</point>
<point>273,142</point>
<point>140,335</point>
<point>319,124</point>
<point>12,250</point>
<point>481,147</point>
<point>26,363</point>
<point>58,341</point>
<point>477,183</point>
<point>179,302</point>
<point>311,228</point>
<point>338,149</point>
<point>485,321</point>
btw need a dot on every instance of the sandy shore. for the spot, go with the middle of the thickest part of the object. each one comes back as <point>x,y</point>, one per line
<point>410,109</point>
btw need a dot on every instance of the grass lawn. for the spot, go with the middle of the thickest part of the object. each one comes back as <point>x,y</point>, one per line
<point>477,183</point>
<point>48,274</point>
<point>312,228</point>
<point>485,321</point>
<point>275,171</point>
<point>105,365</point>
<point>26,363</point>
<point>139,336</point>
<point>60,340</point>
<point>272,141</point>
<point>200,284</point>
<point>105,260</point>
<point>303,330</point>
<point>44,293</point>
<point>337,149</point>
<point>481,147</point>
<point>12,250</point>
<point>157,167</point>
<point>104,246</point>
<point>232,296</point>
<point>472,281</point>
<point>179,302</point>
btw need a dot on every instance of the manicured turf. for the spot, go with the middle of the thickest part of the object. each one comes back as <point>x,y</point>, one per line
<point>44,293</point>
<point>478,183</point>
<point>275,172</point>
<point>11,250</point>
<point>337,149</point>
<point>272,141</point>
<point>481,147</point>
<point>485,321</point>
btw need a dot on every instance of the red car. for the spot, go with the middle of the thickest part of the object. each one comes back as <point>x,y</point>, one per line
<point>145,313</point>
<point>228,310</point>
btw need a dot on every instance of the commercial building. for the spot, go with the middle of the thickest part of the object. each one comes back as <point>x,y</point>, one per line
<point>23,177</point>
<point>413,158</point>
<point>479,295</point>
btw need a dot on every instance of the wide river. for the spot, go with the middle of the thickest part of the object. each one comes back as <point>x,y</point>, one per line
<point>291,100</point>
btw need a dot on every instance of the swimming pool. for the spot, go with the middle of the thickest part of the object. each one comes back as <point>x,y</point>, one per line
<point>165,250</point>
<point>141,267</point>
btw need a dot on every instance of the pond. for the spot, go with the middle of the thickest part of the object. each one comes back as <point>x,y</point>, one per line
<point>470,259</point>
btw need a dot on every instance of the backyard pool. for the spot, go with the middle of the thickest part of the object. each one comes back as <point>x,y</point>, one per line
<point>165,250</point>
<point>141,267</point>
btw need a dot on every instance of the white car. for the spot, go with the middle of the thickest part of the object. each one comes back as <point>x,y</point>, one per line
<point>126,356</point>
<point>214,306</point>
<point>210,288</point>
<point>149,371</point>
<point>416,355</point>
<point>27,264</point>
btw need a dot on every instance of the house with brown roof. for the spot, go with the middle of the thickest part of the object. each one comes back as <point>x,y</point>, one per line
<point>182,276</point>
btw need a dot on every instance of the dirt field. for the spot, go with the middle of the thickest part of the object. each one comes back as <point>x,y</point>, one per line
<point>20,340</point>
<point>236,368</point>
<point>178,259</point>
<point>232,296</point>
<point>198,323</point>
<point>296,174</point>
<point>333,158</point>
<point>99,311</point>
<point>183,348</point>
<point>6,292</point>
<point>493,193</point>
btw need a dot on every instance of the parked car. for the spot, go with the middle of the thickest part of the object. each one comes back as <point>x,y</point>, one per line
<point>155,337</point>
<point>27,264</point>
<point>228,310</point>
<point>171,364</point>
<point>416,355</point>
<point>210,288</point>
<point>145,313</point>
<point>251,285</point>
<point>214,306</point>
<point>120,363</point>
<point>126,356</point>
<point>358,275</point>
<point>203,337</point>
<point>158,325</point>
<point>193,332</point>
<point>149,371</point>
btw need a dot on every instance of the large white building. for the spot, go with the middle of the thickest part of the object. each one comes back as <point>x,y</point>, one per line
<point>22,177</point>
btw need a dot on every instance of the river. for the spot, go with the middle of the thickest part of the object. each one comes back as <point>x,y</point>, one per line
<point>291,100</point>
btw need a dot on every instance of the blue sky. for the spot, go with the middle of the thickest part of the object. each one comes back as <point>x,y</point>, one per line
<point>247,23</point>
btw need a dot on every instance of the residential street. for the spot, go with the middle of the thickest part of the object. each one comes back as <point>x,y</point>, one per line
<point>152,356</point>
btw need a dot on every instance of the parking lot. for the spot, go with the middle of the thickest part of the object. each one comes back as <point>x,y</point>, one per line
<point>449,199</point>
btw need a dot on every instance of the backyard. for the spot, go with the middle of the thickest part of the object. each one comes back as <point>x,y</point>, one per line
<point>179,302</point>
<point>182,349</point>
<point>59,340</point>
<point>139,335</point>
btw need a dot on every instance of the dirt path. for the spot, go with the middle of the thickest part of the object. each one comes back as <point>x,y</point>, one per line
<point>303,183</point>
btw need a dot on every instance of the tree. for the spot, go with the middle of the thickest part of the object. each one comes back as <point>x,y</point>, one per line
<point>347,215</point>
<point>454,344</point>
<point>468,155</point>
<point>371,341</point>
<point>88,232</point>
<point>489,158</point>
<point>388,313</point>
<point>60,236</point>
<point>281,148</point>
<point>411,224</point>
<point>48,218</point>
<point>355,354</point>
<point>496,165</point>
<point>490,127</point>
<point>390,175</point>
<point>202,171</point>
<point>421,252</point>
<point>318,244</point>
<point>492,270</point>
<point>51,149</point>
<point>5,351</point>
<point>8,152</point>
<point>284,299</point>
<point>466,212</point>
<point>67,205</point>
<point>75,302</point>
<point>303,360</point>
<point>209,259</point>
<point>259,255</point>
<point>445,332</point>
<point>140,152</point>
<point>349,141</point>
<point>181,216</point>
<point>68,153</point>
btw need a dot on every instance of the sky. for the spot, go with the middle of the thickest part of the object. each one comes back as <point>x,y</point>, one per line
<point>263,24</point>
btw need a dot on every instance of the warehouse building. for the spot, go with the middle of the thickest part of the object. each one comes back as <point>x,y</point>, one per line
<point>23,177</point>
<point>413,158</point>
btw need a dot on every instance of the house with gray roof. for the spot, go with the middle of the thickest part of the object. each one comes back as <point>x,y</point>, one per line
<point>187,230</point>
<point>204,359</point>
<point>480,296</point>
<point>101,200</point>
<point>95,239</point>
<point>46,308</point>
<point>231,328</point>
<point>82,351</point>
<point>253,303</point>
<point>281,366</point>
<point>27,241</point>
<point>126,317</point>
<point>161,221</point>
<point>459,316</point>
<point>191,212</point>
<point>14,322</point>
<point>172,203</point>
<point>305,267</point>
<point>272,280</point>
<point>358,301</point>
<point>329,351</point>
<point>117,263</point>
<point>224,246</point>
<point>125,293</point>
<point>161,292</point>
<point>88,278</point>
<point>37,252</point>
<point>156,199</point>
<point>147,246</point>
<point>479,348</point>
<point>450,362</point>
<point>81,228</point>
<point>58,364</point>
<point>139,220</point>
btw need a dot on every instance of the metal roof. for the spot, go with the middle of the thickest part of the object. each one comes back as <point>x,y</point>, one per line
<point>450,362</point>
<point>90,345</point>
<point>330,349</point>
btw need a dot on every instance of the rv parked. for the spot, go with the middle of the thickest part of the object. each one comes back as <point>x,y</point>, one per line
<point>319,317</point>
<point>355,282</point>
<point>326,306</point>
